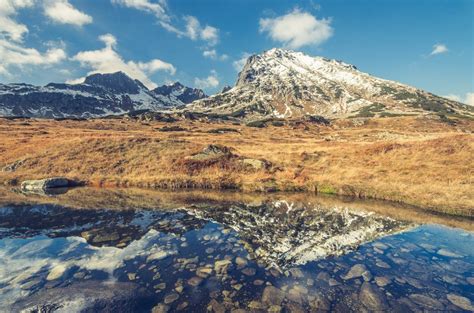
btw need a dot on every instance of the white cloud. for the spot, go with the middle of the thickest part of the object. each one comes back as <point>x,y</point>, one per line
<point>212,54</point>
<point>194,31</point>
<point>75,81</point>
<point>62,12</point>
<point>109,40</point>
<point>157,65</point>
<point>192,28</point>
<point>468,99</point>
<point>239,64</point>
<point>210,34</point>
<point>297,29</point>
<point>9,28</point>
<point>210,81</point>
<point>16,55</point>
<point>438,49</point>
<point>13,53</point>
<point>158,9</point>
<point>107,60</point>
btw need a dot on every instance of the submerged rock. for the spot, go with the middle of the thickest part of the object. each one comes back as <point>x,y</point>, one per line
<point>462,302</point>
<point>249,271</point>
<point>296,272</point>
<point>320,303</point>
<point>272,296</point>
<point>195,281</point>
<point>372,297</point>
<point>204,272</point>
<point>216,307</point>
<point>426,302</point>
<point>221,266</point>
<point>358,270</point>
<point>240,261</point>
<point>160,308</point>
<point>171,298</point>
<point>382,281</point>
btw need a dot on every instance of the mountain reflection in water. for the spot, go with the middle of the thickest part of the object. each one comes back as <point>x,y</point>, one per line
<point>194,254</point>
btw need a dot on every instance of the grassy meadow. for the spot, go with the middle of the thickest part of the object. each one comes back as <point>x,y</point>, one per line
<point>424,161</point>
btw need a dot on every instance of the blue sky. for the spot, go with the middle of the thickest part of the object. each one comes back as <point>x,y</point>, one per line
<point>427,44</point>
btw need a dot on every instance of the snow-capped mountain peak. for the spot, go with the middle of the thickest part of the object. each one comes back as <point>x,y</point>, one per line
<point>284,83</point>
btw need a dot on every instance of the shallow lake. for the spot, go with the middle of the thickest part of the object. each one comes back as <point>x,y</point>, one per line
<point>112,250</point>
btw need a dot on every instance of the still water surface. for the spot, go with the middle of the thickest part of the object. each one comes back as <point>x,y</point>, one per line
<point>95,250</point>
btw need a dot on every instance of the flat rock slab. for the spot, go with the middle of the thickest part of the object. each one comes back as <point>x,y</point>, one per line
<point>48,183</point>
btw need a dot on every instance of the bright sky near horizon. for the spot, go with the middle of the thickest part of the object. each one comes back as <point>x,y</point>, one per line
<point>424,43</point>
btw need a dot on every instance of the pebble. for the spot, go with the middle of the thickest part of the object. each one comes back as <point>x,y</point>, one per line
<point>182,306</point>
<point>160,308</point>
<point>462,302</point>
<point>382,264</point>
<point>237,286</point>
<point>356,271</point>
<point>256,305</point>
<point>426,301</point>
<point>372,297</point>
<point>296,272</point>
<point>241,261</point>
<point>204,272</point>
<point>171,298</point>
<point>248,271</point>
<point>272,296</point>
<point>216,307</point>
<point>274,309</point>
<point>195,281</point>
<point>221,266</point>
<point>382,281</point>
<point>332,282</point>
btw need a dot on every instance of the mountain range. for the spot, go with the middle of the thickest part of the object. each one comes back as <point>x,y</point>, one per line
<point>99,95</point>
<point>277,83</point>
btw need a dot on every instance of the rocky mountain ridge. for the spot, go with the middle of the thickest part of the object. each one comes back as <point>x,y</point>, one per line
<point>282,83</point>
<point>99,95</point>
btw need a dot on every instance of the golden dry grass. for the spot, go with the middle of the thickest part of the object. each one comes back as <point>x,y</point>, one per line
<point>416,160</point>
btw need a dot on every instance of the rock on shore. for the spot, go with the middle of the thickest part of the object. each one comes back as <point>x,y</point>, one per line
<point>48,183</point>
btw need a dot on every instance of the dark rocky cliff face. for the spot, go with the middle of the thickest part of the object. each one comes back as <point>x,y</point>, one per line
<point>117,82</point>
<point>181,92</point>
